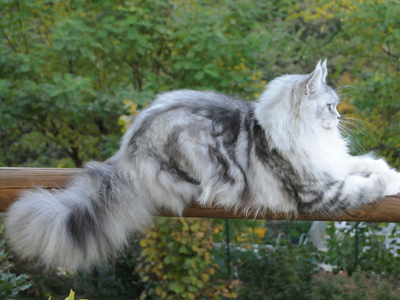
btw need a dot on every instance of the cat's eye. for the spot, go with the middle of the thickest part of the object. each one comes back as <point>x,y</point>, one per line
<point>330,106</point>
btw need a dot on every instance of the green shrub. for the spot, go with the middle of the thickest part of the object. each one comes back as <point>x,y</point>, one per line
<point>10,284</point>
<point>280,271</point>
<point>176,261</point>
<point>373,255</point>
<point>361,285</point>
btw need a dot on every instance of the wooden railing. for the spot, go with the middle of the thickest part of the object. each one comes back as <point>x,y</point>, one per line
<point>15,180</point>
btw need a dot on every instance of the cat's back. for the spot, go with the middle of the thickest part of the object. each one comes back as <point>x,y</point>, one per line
<point>195,100</point>
<point>197,113</point>
<point>200,110</point>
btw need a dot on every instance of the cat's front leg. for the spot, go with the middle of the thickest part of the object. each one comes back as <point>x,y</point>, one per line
<point>392,181</point>
<point>353,191</point>
<point>367,165</point>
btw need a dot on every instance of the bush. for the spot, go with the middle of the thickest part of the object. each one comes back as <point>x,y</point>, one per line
<point>176,261</point>
<point>374,254</point>
<point>360,285</point>
<point>10,284</point>
<point>281,271</point>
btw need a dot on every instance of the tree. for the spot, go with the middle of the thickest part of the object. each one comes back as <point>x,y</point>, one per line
<point>68,66</point>
<point>361,40</point>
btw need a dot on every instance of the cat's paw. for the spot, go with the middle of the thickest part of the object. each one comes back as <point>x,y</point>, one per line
<point>369,166</point>
<point>391,179</point>
<point>379,166</point>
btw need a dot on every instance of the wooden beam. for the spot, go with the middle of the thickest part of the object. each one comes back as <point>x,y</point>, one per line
<point>15,180</point>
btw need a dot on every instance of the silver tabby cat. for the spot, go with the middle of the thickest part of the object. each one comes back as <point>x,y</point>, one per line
<point>283,153</point>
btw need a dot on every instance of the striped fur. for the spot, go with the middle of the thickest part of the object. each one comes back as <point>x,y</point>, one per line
<point>282,153</point>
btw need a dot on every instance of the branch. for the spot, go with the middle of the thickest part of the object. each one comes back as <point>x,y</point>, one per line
<point>8,40</point>
<point>15,180</point>
<point>23,30</point>
<point>388,51</point>
<point>136,75</point>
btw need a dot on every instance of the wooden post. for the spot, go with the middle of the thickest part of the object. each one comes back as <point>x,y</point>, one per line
<point>15,180</point>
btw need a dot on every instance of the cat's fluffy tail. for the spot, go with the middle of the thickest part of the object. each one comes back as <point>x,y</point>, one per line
<point>78,226</point>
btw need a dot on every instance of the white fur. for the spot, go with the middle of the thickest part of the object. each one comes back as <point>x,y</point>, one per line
<point>310,147</point>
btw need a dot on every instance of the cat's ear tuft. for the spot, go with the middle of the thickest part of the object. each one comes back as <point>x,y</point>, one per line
<point>324,70</point>
<point>314,80</point>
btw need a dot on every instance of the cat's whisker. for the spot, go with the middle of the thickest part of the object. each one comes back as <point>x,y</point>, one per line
<point>354,127</point>
<point>349,86</point>
<point>352,140</point>
<point>353,122</point>
<point>352,119</point>
<point>346,97</point>
<point>351,116</point>
<point>345,92</point>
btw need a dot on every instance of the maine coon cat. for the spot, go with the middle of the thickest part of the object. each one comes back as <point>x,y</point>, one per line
<point>283,153</point>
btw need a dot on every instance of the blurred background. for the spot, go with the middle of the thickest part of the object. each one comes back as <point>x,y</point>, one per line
<point>73,74</point>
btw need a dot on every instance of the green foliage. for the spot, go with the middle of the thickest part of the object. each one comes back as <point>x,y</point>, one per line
<point>176,261</point>
<point>112,281</point>
<point>10,284</point>
<point>361,40</point>
<point>374,256</point>
<point>327,286</point>
<point>277,271</point>
<point>64,80</point>
<point>292,230</point>
<point>116,280</point>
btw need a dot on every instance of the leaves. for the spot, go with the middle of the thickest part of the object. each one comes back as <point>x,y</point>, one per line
<point>377,252</point>
<point>11,284</point>
<point>176,261</point>
<point>277,271</point>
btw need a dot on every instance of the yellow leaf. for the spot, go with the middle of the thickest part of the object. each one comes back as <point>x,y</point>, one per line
<point>207,256</point>
<point>143,243</point>
<point>204,277</point>
<point>71,295</point>
<point>159,290</point>
<point>143,295</point>
<point>260,231</point>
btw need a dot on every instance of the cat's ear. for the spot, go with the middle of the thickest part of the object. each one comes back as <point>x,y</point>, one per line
<point>314,80</point>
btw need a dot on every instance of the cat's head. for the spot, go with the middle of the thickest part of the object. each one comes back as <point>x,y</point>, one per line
<point>318,101</point>
<point>294,104</point>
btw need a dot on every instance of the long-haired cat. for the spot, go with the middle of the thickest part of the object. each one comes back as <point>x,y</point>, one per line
<point>282,153</point>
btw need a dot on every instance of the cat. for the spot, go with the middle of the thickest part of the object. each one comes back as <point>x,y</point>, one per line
<point>283,153</point>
